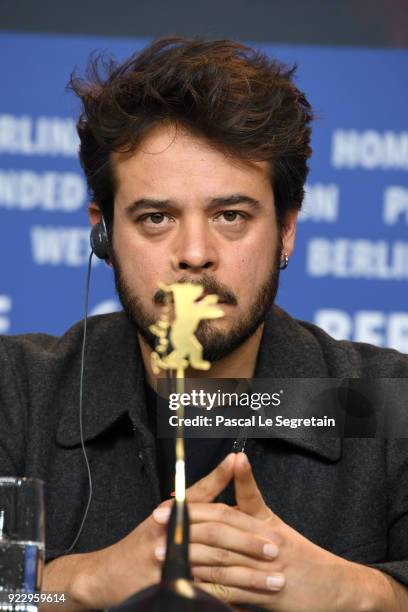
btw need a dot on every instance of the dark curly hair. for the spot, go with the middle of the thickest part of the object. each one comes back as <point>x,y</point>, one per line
<point>242,102</point>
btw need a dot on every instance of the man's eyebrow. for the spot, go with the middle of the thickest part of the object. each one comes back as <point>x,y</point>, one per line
<point>148,203</point>
<point>236,198</point>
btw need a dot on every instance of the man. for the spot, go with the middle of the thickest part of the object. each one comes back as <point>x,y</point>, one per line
<point>196,155</point>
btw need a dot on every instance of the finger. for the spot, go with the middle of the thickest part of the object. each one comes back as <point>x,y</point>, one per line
<point>231,538</point>
<point>248,497</point>
<point>222,513</point>
<point>242,577</point>
<point>209,487</point>
<point>236,595</point>
<point>201,554</point>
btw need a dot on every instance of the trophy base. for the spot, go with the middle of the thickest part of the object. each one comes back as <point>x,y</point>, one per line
<point>178,595</point>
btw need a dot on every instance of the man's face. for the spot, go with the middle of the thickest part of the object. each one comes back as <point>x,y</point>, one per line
<point>184,211</point>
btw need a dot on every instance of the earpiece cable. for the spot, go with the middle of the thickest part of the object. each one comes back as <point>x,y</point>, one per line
<point>81,384</point>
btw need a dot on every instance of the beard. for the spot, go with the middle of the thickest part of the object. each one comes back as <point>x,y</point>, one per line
<point>216,343</point>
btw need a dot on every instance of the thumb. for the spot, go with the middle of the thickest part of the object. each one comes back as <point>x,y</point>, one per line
<point>209,487</point>
<point>247,495</point>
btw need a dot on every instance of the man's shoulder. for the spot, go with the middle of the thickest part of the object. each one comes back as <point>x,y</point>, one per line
<point>296,348</point>
<point>40,347</point>
<point>367,360</point>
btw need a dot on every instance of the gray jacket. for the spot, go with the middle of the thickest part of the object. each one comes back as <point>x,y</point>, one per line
<point>349,496</point>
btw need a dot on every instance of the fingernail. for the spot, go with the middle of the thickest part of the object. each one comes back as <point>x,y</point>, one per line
<point>161,515</point>
<point>160,552</point>
<point>275,582</point>
<point>270,550</point>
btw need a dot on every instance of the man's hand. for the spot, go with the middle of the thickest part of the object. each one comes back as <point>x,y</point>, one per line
<point>100,579</point>
<point>248,555</point>
<point>106,577</point>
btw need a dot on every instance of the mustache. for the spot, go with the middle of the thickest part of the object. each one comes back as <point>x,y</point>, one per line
<point>210,285</point>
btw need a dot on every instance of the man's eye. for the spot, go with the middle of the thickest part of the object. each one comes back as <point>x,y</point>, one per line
<point>156,217</point>
<point>232,215</point>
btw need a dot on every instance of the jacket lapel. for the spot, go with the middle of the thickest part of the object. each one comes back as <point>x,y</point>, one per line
<point>289,350</point>
<point>113,387</point>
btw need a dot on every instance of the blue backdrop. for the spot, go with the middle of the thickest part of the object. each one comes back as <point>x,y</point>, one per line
<point>349,272</point>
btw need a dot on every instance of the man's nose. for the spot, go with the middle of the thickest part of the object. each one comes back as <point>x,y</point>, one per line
<point>195,249</point>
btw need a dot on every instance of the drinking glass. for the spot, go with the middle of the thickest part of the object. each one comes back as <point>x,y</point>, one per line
<point>21,541</point>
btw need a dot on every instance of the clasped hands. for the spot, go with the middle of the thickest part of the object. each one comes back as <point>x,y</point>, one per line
<point>248,555</point>
<point>243,555</point>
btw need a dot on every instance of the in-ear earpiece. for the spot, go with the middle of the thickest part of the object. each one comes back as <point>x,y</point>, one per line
<point>100,240</point>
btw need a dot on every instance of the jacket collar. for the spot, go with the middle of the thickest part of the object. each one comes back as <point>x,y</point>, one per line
<point>290,350</point>
<point>113,384</point>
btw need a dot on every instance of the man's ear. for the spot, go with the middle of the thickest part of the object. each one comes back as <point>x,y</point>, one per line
<point>288,231</point>
<point>94,213</point>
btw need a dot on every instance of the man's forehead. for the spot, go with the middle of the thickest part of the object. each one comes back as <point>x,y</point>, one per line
<point>169,151</point>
